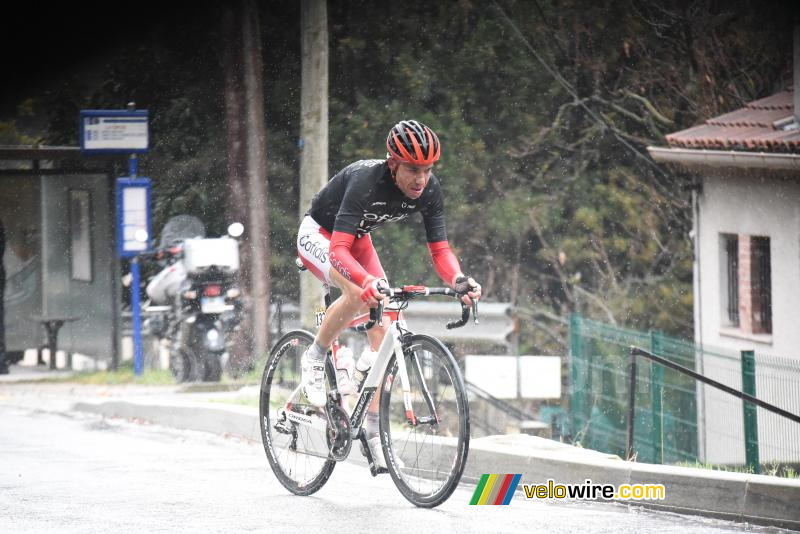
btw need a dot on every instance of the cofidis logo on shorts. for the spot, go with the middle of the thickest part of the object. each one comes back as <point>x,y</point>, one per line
<point>495,489</point>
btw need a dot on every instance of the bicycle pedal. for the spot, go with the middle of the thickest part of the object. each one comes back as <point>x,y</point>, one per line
<point>375,471</point>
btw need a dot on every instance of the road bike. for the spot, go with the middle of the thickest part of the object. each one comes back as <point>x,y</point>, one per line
<point>423,408</point>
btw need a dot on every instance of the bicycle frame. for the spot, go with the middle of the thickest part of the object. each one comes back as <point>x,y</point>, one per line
<point>392,344</point>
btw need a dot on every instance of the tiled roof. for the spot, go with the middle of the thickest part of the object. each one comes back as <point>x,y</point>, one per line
<point>755,127</point>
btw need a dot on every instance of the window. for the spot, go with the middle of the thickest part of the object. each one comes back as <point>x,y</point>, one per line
<point>745,283</point>
<point>80,235</point>
<point>730,279</point>
<point>761,285</point>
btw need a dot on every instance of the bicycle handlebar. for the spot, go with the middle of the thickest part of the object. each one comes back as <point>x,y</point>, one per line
<point>464,318</point>
<point>375,316</point>
<point>406,293</point>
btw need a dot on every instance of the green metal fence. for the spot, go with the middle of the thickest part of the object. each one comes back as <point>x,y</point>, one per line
<point>666,413</point>
<point>677,419</point>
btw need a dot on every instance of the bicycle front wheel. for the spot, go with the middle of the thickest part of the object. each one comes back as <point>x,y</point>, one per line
<point>425,458</point>
<point>292,430</point>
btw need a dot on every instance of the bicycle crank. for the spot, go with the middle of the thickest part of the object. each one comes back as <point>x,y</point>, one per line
<point>338,433</point>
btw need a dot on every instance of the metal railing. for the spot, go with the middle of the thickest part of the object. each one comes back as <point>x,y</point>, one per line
<point>678,419</point>
<point>749,412</point>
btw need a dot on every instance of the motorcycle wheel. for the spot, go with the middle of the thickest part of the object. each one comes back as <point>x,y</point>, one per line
<point>212,371</point>
<point>183,366</point>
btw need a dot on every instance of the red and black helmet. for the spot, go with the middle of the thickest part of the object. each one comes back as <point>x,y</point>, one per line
<point>413,142</point>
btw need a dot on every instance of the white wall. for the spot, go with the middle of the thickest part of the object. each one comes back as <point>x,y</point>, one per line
<point>754,206</point>
<point>739,204</point>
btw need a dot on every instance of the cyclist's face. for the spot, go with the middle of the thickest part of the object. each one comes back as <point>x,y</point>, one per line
<point>412,179</point>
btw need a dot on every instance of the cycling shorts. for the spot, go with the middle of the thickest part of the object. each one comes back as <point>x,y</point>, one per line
<point>313,249</point>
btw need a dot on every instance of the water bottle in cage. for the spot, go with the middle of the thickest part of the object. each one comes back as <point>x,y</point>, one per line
<point>364,364</point>
<point>345,368</point>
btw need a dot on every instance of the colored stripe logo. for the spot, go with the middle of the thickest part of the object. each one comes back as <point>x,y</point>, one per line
<point>495,489</point>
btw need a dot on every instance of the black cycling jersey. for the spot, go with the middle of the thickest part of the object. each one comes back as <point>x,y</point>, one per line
<point>363,196</point>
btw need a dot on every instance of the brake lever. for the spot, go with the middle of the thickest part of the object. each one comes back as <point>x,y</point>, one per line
<point>379,311</point>
<point>475,311</point>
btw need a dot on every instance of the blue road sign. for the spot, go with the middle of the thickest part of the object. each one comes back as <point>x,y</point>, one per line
<point>105,131</point>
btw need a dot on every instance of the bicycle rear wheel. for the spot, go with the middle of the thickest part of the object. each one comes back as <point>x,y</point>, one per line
<point>426,460</point>
<point>297,452</point>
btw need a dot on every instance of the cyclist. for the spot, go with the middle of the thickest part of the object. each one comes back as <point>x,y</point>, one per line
<point>334,242</point>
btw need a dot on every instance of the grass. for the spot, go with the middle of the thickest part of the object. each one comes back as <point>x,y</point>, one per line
<point>252,377</point>
<point>123,375</point>
<point>775,469</point>
<point>149,377</point>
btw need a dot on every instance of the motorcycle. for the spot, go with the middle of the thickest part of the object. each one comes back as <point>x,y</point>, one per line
<point>194,302</point>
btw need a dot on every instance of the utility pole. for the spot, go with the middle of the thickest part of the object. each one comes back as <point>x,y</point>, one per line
<point>313,130</point>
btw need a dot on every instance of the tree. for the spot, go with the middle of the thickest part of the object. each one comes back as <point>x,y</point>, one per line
<point>544,111</point>
<point>247,174</point>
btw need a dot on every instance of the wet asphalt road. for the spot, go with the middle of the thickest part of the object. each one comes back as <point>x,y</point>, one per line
<point>68,472</point>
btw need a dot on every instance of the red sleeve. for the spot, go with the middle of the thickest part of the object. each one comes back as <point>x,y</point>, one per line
<point>342,259</point>
<point>444,260</point>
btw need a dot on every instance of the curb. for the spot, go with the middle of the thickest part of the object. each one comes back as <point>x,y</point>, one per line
<point>742,497</point>
<point>226,420</point>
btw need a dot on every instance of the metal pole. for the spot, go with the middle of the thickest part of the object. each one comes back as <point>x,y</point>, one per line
<point>656,398</point>
<point>577,386</point>
<point>631,403</point>
<point>137,319</point>
<point>133,169</point>
<point>750,412</point>
<point>656,394</point>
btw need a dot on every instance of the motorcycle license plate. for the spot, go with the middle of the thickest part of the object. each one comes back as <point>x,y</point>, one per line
<point>213,305</point>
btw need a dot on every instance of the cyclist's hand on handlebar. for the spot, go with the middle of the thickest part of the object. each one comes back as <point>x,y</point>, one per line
<point>371,290</point>
<point>469,287</point>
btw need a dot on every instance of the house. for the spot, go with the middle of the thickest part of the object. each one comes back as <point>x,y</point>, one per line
<point>747,264</point>
<point>747,225</point>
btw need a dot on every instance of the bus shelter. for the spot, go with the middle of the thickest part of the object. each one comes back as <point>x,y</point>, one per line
<point>57,208</point>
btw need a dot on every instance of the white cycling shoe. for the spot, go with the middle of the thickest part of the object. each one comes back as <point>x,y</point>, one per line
<point>313,380</point>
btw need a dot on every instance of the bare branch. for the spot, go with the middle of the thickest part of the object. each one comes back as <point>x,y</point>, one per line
<point>553,256</point>
<point>598,301</point>
<point>650,107</point>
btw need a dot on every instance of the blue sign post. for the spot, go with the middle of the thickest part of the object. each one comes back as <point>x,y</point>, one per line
<point>125,132</point>
<point>133,236</point>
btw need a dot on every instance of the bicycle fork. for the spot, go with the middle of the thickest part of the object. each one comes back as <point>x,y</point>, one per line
<point>393,344</point>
